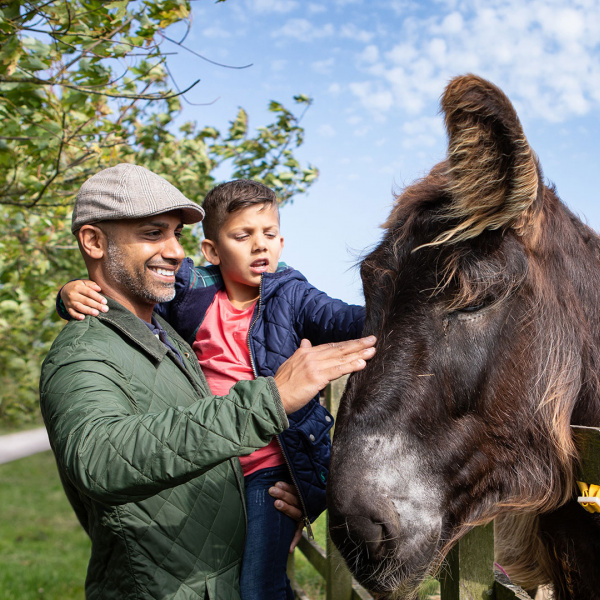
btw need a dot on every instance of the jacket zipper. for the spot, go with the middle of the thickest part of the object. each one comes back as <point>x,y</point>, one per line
<point>305,519</point>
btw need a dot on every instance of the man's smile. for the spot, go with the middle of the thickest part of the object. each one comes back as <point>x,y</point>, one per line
<point>168,272</point>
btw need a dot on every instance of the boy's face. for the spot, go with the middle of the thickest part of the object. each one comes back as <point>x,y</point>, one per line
<point>249,244</point>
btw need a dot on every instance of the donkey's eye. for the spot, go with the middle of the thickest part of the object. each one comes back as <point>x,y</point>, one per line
<point>471,309</point>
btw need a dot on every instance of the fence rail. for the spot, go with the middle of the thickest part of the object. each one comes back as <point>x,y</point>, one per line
<point>468,573</point>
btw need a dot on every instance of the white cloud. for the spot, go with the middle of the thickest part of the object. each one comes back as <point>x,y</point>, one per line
<point>326,130</point>
<point>303,30</point>
<point>316,8</point>
<point>545,54</point>
<point>452,23</point>
<point>373,96</point>
<point>361,131</point>
<point>324,67</point>
<point>273,6</point>
<point>370,54</point>
<point>422,132</point>
<point>352,32</point>
<point>216,32</point>
<point>279,65</point>
<point>334,89</point>
<point>401,7</point>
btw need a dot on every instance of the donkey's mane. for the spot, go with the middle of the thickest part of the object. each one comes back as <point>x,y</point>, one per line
<point>569,356</point>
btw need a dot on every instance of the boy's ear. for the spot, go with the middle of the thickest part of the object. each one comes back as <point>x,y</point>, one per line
<point>211,254</point>
<point>92,241</point>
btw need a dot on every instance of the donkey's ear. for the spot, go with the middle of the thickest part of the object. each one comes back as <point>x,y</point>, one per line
<point>494,175</point>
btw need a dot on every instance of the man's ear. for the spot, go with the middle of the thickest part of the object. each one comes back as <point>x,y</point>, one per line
<point>93,241</point>
<point>210,251</point>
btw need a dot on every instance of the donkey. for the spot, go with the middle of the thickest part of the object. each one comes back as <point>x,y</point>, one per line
<point>483,294</point>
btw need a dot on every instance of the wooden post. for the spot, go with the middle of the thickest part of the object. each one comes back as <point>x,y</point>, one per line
<point>338,580</point>
<point>333,394</point>
<point>469,570</point>
<point>588,444</point>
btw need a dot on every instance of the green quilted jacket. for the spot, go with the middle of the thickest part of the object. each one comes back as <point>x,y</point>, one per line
<point>147,458</point>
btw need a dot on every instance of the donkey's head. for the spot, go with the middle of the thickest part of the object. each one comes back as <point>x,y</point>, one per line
<point>480,297</point>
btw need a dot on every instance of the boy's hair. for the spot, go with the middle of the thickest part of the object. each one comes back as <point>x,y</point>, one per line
<point>230,197</point>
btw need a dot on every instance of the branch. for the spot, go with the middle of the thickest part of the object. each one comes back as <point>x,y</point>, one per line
<point>110,35</point>
<point>86,90</point>
<point>56,168</point>
<point>212,62</point>
<point>184,98</point>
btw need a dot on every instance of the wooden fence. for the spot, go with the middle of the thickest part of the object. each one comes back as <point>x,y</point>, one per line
<point>468,573</point>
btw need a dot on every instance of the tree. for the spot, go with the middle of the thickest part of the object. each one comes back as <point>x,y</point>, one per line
<point>84,84</point>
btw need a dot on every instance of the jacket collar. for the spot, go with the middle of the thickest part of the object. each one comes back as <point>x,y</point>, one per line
<point>134,328</point>
<point>210,275</point>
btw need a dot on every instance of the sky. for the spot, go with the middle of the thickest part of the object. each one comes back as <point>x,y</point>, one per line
<point>375,70</point>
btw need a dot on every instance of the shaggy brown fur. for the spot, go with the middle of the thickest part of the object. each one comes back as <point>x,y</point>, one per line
<point>488,285</point>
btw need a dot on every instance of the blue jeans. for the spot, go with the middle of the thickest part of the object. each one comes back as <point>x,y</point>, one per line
<point>268,539</point>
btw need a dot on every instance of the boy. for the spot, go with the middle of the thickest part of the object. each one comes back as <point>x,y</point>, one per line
<point>243,316</point>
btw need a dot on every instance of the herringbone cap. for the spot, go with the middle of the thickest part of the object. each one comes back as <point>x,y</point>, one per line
<point>129,191</point>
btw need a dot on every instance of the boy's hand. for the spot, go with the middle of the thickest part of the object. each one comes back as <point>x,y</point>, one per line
<point>303,375</point>
<point>81,297</point>
<point>288,503</point>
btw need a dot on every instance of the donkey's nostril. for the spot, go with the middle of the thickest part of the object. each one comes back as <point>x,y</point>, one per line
<point>373,533</point>
<point>372,529</point>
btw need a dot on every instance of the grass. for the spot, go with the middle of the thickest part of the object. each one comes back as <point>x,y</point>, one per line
<point>43,550</point>
<point>306,575</point>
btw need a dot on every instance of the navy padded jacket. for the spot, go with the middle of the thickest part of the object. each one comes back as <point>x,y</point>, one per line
<point>289,309</point>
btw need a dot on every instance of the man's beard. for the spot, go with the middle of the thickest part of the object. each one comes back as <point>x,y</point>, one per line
<point>135,280</point>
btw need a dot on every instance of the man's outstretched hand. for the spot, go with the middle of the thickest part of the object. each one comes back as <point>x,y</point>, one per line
<point>303,375</point>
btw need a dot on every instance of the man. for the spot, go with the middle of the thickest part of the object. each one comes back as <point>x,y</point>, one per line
<point>146,454</point>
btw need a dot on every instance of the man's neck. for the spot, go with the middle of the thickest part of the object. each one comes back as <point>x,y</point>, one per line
<point>143,311</point>
<point>139,309</point>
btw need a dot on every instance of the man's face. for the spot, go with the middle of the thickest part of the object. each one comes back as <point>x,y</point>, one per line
<point>142,257</point>
<point>249,245</point>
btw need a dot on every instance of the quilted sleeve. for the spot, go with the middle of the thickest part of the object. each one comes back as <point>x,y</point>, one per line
<point>113,455</point>
<point>322,319</point>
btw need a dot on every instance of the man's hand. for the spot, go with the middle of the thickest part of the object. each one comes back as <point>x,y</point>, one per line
<point>288,503</point>
<point>303,375</point>
<point>81,297</point>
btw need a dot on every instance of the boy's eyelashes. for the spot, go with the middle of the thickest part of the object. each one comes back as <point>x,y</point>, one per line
<point>244,236</point>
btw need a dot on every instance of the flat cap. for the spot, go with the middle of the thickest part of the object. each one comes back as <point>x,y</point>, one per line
<point>128,191</point>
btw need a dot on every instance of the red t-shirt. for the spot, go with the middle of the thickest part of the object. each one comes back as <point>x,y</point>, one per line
<point>221,346</point>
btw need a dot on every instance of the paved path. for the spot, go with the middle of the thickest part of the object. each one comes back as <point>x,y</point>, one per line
<point>25,443</point>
